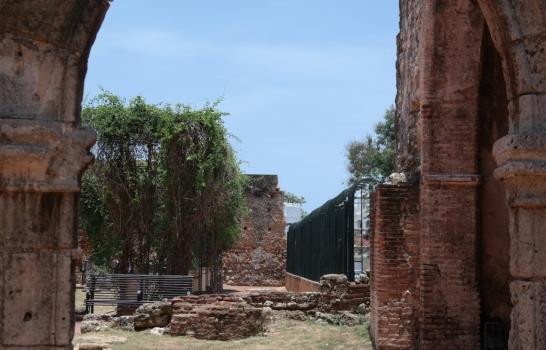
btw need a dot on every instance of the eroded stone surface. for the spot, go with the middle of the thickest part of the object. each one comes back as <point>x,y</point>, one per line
<point>259,256</point>
<point>153,315</point>
<point>44,46</point>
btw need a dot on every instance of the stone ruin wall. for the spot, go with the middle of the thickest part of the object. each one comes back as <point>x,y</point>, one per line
<point>424,288</point>
<point>240,315</point>
<point>259,255</point>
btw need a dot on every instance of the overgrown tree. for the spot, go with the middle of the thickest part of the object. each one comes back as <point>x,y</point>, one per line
<point>165,180</point>
<point>374,155</point>
<point>289,197</point>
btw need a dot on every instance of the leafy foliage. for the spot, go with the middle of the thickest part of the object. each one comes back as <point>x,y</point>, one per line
<point>289,197</point>
<point>165,191</point>
<point>373,156</point>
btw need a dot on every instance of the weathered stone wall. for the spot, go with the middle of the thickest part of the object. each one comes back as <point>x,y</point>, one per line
<point>259,255</point>
<point>395,266</point>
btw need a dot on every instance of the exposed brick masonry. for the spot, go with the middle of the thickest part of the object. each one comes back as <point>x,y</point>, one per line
<point>470,132</point>
<point>394,245</point>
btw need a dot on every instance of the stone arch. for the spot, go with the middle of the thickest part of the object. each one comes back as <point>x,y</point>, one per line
<point>493,219</point>
<point>518,30</point>
<point>44,47</point>
<point>519,33</point>
<point>438,126</point>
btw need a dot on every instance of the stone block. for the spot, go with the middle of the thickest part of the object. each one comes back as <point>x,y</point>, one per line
<point>531,113</point>
<point>153,315</point>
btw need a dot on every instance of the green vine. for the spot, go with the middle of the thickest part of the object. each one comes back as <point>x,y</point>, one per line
<point>166,190</point>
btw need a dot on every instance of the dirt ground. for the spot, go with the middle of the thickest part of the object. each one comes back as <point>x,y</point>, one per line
<point>282,334</point>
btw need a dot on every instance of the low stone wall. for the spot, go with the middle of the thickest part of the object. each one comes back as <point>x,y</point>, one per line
<point>281,301</point>
<point>215,317</point>
<point>236,316</point>
<point>299,284</point>
<point>338,294</point>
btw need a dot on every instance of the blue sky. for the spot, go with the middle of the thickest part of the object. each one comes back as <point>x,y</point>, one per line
<point>300,78</point>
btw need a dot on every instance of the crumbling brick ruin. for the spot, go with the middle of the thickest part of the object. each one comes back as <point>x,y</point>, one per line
<point>259,255</point>
<point>458,252</point>
<point>471,125</point>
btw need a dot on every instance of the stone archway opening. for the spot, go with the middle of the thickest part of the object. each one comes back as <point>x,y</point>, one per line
<point>44,46</point>
<point>493,233</point>
<point>471,119</point>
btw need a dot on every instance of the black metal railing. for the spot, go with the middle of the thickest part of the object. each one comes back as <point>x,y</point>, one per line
<point>323,242</point>
<point>134,290</point>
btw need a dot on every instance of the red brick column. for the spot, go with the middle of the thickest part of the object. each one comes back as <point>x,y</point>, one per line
<point>450,306</point>
<point>395,264</point>
<point>449,314</point>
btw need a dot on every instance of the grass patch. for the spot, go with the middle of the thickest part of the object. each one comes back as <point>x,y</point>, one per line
<point>80,303</point>
<point>282,334</point>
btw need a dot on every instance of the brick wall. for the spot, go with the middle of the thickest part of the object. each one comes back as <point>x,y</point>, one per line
<point>259,255</point>
<point>395,258</point>
<point>449,312</point>
<point>449,301</point>
<point>432,301</point>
